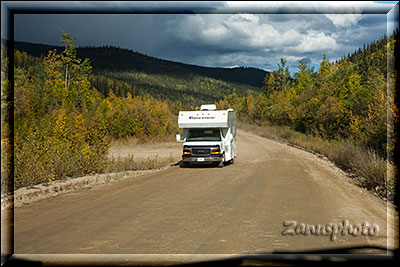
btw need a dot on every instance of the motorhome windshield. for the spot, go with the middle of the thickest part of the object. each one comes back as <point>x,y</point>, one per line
<point>204,135</point>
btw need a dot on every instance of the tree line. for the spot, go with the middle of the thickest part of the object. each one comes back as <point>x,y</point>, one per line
<point>347,99</point>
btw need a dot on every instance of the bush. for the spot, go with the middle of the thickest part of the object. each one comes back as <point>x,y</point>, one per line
<point>63,145</point>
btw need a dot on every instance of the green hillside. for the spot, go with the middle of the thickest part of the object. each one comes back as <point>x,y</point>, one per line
<point>123,71</point>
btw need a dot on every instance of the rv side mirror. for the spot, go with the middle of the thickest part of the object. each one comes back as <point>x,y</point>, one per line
<point>178,138</point>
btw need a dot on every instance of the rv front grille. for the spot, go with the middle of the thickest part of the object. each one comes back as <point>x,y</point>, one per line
<point>200,151</point>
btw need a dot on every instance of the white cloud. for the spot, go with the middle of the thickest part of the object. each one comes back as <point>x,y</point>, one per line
<point>344,20</point>
<point>293,59</point>
<point>246,32</point>
<point>242,32</point>
<point>307,7</point>
<point>316,41</point>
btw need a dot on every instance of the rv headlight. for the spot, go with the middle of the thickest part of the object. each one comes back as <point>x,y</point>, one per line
<point>215,150</point>
<point>186,150</point>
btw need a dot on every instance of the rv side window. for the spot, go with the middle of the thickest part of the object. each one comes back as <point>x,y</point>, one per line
<point>204,135</point>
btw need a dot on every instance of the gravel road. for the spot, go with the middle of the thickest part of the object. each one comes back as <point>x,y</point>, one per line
<point>263,203</point>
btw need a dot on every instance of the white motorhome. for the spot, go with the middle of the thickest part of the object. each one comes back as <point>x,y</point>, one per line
<point>209,135</point>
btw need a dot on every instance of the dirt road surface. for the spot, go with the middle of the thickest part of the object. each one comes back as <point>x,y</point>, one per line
<point>238,209</point>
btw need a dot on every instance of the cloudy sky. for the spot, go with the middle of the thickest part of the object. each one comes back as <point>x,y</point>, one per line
<point>217,34</point>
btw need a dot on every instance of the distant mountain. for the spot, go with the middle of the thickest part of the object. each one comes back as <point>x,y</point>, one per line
<point>108,58</point>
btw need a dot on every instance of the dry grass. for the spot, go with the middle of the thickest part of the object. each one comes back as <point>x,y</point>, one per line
<point>265,129</point>
<point>121,164</point>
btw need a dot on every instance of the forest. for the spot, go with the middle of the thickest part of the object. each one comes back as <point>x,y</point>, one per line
<point>347,99</point>
<point>66,114</point>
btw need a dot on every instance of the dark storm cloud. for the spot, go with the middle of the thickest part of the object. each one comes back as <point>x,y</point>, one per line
<point>138,32</point>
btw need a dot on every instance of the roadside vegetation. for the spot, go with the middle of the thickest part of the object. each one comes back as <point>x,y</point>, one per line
<point>343,111</point>
<point>63,126</point>
<point>121,164</point>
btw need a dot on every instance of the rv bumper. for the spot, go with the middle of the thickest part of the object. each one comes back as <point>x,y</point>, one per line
<point>201,160</point>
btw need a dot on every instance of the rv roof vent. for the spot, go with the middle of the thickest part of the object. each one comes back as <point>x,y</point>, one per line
<point>208,107</point>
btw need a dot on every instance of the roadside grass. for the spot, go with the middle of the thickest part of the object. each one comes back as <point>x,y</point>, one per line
<point>121,164</point>
<point>33,168</point>
<point>364,166</point>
